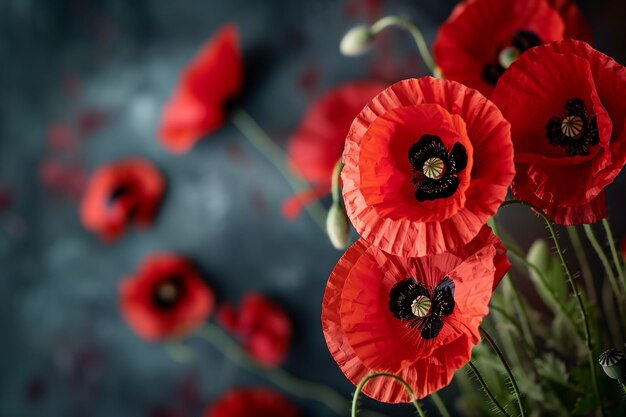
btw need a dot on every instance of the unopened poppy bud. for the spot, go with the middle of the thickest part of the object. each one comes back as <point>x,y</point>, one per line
<point>338,226</point>
<point>437,73</point>
<point>508,55</point>
<point>356,41</point>
<point>613,363</point>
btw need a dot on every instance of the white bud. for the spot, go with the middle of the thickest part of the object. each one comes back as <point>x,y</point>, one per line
<point>356,41</point>
<point>338,226</point>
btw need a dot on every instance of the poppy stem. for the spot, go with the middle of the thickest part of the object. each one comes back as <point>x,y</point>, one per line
<point>486,389</point>
<point>616,258</point>
<point>415,31</point>
<point>441,406</point>
<point>336,189</point>
<point>359,388</point>
<point>498,352</point>
<point>276,156</point>
<point>583,260</point>
<point>572,283</point>
<point>591,236</point>
<point>277,376</point>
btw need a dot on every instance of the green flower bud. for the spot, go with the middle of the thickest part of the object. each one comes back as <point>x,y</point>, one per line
<point>356,41</point>
<point>613,363</point>
<point>437,73</point>
<point>338,226</point>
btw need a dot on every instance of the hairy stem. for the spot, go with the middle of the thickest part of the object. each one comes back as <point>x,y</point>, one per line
<point>579,300</point>
<point>486,389</point>
<point>359,388</point>
<point>616,258</point>
<point>441,406</point>
<point>498,352</point>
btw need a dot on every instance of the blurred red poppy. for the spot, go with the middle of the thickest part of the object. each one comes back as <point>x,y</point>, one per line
<point>197,107</point>
<point>481,37</point>
<point>565,104</point>
<point>316,146</point>
<point>414,317</point>
<point>167,298</point>
<point>121,193</point>
<point>252,402</point>
<point>427,163</point>
<point>263,327</point>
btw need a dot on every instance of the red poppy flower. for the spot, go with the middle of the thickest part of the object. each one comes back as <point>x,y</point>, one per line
<point>264,328</point>
<point>209,82</point>
<point>253,402</point>
<point>415,317</point>
<point>565,104</point>
<point>314,149</point>
<point>480,38</point>
<point>166,298</point>
<point>122,193</point>
<point>427,163</point>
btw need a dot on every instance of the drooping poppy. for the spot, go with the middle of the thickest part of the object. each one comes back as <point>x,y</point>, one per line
<point>197,107</point>
<point>167,298</point>
<point>316,146</point>
<point>122,193</point>
<point>427,163</point>
<point>252,402</point>
<point>565,104</point>
<point>481,37</point>
<point>415,317</point>
<point>263,327</point>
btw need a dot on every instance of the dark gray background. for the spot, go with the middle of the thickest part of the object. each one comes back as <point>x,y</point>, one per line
<point>64,349</point>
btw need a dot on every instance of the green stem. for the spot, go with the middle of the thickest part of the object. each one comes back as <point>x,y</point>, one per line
<point>542,279</point>
<point>583,261</point>
<point>359,388</point>
<point>336,190</point>
<point>498,352</point>
<point>591,236</point>
<point>616,257</point>
<point>579,300</point>
<point>441,406</point>
<point>623,385</point>
<point>279,377</point>
<point>415,32</point>
<point>486,389</point>
<point>274,153</point>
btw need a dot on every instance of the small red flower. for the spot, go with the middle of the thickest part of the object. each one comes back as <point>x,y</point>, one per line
<point>427,163</point>
<point>264,328</point>
<point>209,82</point>
<point>480,36</point>
<point>565,104</point>
<point>316,146</point>
<point>167,298</point>
<point>122,193</point>
<point>415,317</point>
<point>253,402</point>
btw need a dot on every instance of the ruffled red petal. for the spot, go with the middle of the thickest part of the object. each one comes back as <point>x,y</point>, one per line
<point>109,215</point>
<point>477,30</point>
<point>377,188</point>
<point>316,146</point>
<point>363,337</point>
<point>213,78</point>
<point>530,93</point>
<point>264,327</point>
<point>153,322</point>
<point>252,402</point>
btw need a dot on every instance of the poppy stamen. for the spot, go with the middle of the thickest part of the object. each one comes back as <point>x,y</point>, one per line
<point>410,301</point>
<point>521,41</point>
<point>575,130</point>
<point>436,167</point>
<point>168,293</point>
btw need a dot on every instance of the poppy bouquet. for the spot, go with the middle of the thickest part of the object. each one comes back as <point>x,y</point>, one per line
<point>526,108</point>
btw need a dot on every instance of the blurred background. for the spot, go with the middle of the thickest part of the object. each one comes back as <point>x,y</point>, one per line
<point>105,68</point>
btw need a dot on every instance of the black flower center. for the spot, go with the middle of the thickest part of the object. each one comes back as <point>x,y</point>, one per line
<point>168,293</point>
<point>411,302</point>
<point>575,130</point>
<point>436,168</point>
<point>119,192</point>
<point>521,41</point>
